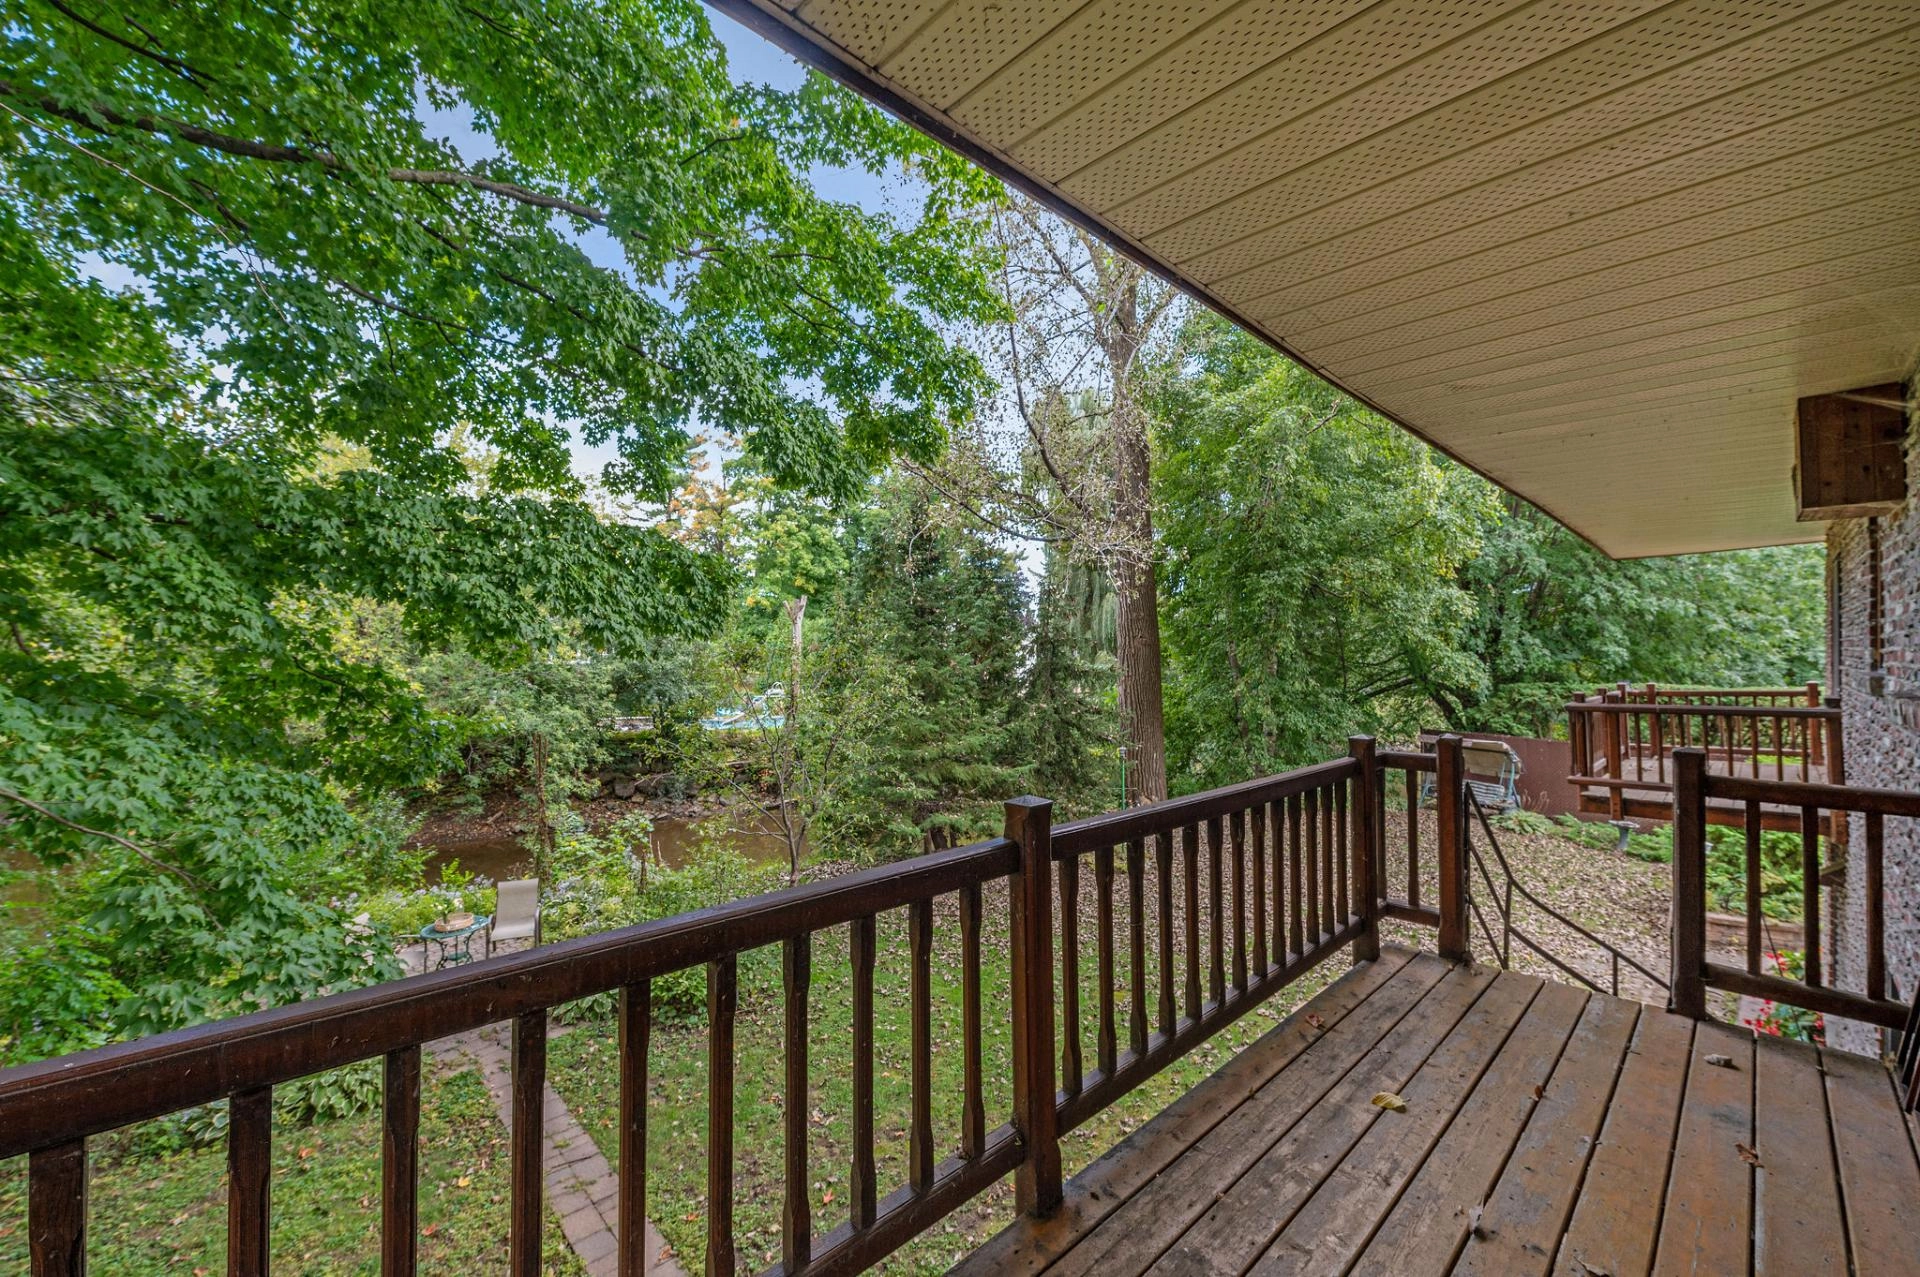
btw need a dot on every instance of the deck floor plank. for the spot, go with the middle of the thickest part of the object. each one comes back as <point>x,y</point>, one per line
<point>1424,1231</point>
<point>1706,1228</point>
<point>1796,1195</point>
<point>1028,1246</point>
<point>1154,1218</point>
<point>1546,1130</point>
<point>1616,1222</point>
<point>1879,1180</point>
<point>1236,1228</point>
<point>1329,1230</point>
<point>1520,1228</point>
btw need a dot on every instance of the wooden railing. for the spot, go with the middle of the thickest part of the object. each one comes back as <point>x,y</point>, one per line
<point>1622,743</point>
<point>1696,790</point>
<point>1289,881</point>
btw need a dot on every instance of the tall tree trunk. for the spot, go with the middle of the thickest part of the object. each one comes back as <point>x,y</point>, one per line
<point>1138,613</point>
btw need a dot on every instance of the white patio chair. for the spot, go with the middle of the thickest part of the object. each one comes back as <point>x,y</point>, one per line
<point>516,913</point>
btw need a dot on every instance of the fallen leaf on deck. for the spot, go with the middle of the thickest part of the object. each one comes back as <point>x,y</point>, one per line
<point>1747,1155</point>
<point>1539,1091</point>
<point>1390,1102</point>
<point>1720,1061</point>
<point>1316,1021</point>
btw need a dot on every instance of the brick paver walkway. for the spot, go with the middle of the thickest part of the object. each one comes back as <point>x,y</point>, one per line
<point>580,1185</point>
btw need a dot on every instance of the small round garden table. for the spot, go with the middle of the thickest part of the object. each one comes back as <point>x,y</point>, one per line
<point>455,946</point>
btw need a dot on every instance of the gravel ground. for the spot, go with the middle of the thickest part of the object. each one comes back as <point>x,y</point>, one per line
<point>1621,900</point>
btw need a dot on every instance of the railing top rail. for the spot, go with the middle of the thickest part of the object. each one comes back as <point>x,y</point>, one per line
<point>53,1101</point>
<point>1789,793</point>
<point>1407,760</point>
<point>1662,689</point>
<point>1114,828</point>
<point>1702,711</point>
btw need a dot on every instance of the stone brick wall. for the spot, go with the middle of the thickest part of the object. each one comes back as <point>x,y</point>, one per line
<point>1881,710</point>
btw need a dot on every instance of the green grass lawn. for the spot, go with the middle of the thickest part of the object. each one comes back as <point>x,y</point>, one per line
<point>583,1068</point>
<point>168,1214</point>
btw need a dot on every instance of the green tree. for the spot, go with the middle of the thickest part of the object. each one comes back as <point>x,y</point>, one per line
<point>330,314</point>
<point>1310,552</point>
<point>1068,691</point>
<point>943,606</point>
<point>1556,617</point>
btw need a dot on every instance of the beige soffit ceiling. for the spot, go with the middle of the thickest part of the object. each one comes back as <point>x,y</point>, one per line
<point>1593,248</point>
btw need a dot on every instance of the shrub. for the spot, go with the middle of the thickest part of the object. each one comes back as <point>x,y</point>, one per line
<point>599,884</point>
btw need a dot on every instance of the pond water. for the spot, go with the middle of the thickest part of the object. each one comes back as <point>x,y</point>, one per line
<point>753,835</point>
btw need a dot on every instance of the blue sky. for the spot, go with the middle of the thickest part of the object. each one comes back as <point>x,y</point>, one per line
<point>749,58</point>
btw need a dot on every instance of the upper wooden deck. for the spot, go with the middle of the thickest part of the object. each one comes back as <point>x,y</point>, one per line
<point>1546,1129</point>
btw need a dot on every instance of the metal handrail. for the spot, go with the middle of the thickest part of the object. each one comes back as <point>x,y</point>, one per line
<point>1503,947</point>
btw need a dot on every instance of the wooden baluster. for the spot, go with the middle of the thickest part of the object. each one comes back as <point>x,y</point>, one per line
<point>1190,864</point>
<point>1815,740</point>
<point>527,1142</point>
<point>1780,750</point>
<point>1310,856</point>
<point>864,1197</point>
<point>796,1215</point>
<point>973,1112</point>
<point>635,1030</point>
<point>1274,823</point>
<point>1163,867</point>
<point>1363,840</point>
<point>1752,830</point>
<point>400,1163</point>
<point>920,1131</point>
<point>1329,906</point>
<point>1106,1043</point>
<point>723,1000</point>
<point>1234,829</point>
<point>1255,825</point>
<point>1876,906</point>
<point>1297,897</point>
<point>1137,942</point>
<point>57,1210</point>
<point>249,1182</point>
<point>1413,838</point>
<point>1660,747</point>
<point>1343,852</point>
<point>1029,824</point>
<point>1216,911</point>
<point>1070,1062</point>
<point>1449,780</point>
<point>1688,994</point>
<point>1616,732</point>
<point>1810,889</point>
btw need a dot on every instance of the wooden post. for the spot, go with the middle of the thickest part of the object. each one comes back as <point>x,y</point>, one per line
<point>1816,736</point>
<point>1616,737</point>
<point>1689,943</point>
<point>1451,816</point>
<point>1365,847</point>
<point>1029,823</point>
<point>1834,726</point>
<point>57,1210</point>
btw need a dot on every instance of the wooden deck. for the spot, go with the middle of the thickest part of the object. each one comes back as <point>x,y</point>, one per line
<point>1545,1130</point>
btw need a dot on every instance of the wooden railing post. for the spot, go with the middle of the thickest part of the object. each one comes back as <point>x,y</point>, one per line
<point>1816,733</point>
<point>1689,944</point>
<point>57,1210</point>
<point>1451,816</point>
<point>1834,727</point>
<point>1365,846</point>
<point>1029,823</point>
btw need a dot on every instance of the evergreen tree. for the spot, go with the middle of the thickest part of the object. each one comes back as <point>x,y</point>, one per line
<point>1069,690</point>
<point>945,607</point>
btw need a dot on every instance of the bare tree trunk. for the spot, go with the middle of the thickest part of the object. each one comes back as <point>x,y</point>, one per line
<point>1137,617</point>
